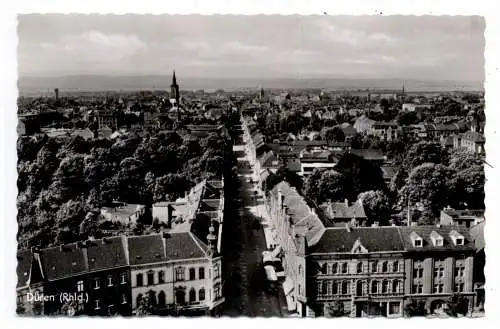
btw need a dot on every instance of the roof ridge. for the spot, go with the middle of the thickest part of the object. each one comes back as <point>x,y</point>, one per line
<point>195,239</point>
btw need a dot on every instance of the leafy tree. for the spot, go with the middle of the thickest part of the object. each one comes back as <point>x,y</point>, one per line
<point>407,118</point>
<point>360,175</point>
<point>457,305</point>
<point>428,184</point>
<point>423,152</point>
<point>311,187</point>
<point>331,186</point>
<point>415,308</point>
<point>376,205</point>
<point>335,309</point>
<point>334,134</point>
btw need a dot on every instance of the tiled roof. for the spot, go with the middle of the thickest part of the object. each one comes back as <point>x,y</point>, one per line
<point>395,238</point>
<point>106,253</point>
<point>301,215</point>
<point>184,245</point>
<point>474,136</point>
<point>63,261</point>
<point>267,158</point>
<point>425,233</point>
<point>369,154</point>
<point>25,259</point>
<point>477,233</point>
<point>373,239</point>
<point>146,249</point>
<point>340,210</point>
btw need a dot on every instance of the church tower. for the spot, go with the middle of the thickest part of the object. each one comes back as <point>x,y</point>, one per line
<point>174,89</point>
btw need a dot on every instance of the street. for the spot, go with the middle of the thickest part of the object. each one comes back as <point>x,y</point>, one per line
<point>245,284</point>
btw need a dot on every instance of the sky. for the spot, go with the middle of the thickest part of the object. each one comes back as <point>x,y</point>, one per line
<point>386,47</point>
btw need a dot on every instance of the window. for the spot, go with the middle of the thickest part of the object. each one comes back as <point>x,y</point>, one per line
<point>359,267</point>
<point>161,277</point>
<point>395,286</point>
<point>79,286</point>
<point>161,298</point>
<point>384,267</point>
<point>385,287</point>
<point>418,243</point>
<point>151,278</point>
<point>201,273</point>
<point>335,288</point>
<point>216,271</point>
<point>345,288</point>
<point>374,266</point>
<point>374,289</point>
<point>217,291</point>
<point>334,268</point>
<point>418,288</point>
<point>394,307</point>
<point>201,294</point>
<point>459,270</point>
<point>344,268</point>
<point>300,289</point>
<point>123,278</point>
<point>97,283</point>
<point>418,273</point>
<point>395,266</point>
<point>96,304</point>
<point>359,288</point>
<point>438,288</point>
<point>438,272</point>
<point>439,243</point>
<point>459,242</point>
<point>192,274</point>
<point>180,297</point>
<point>319,288</point>
<point>179,274</point>
<point>324,288</point>
<point>459,287</point>
<point>139,280</point>
<point>124,299</point>
<point>138,300</point>
<point>19,299</point>
<point>110,281</point>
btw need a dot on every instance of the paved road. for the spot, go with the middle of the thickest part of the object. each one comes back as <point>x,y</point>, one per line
<point>244,242</point>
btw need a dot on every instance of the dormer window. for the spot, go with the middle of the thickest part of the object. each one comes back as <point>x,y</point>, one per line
<point>437,240</point>
<point>416,239</point>
<point>458,239</point>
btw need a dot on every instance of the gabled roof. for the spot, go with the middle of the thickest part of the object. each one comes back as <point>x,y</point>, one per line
<point>184,245</point>
<point>337,211</point>
<point>63,261</point>
<point>301,215</point>
<point>106,253</point>
<point>373,239</point>
<point>146,249</point>
<point>425,233</point>
<point>28,268</point>
<point>474,136</point>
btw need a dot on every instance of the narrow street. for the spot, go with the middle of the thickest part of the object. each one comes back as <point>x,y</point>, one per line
<point>244,242</point>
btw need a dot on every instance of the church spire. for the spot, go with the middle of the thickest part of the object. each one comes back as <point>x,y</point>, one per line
<point>174,80</point>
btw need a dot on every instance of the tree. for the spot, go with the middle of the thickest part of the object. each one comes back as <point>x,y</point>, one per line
<point>360,175</point>
<point>376,205</point>
<point>334,309</point>
<point>423,152</point>
<point>311,187</point>
<point>457,305</point>
<point>334,134</point>
<point>414,308</point>
<point>331,186</point>
<point>429,184</point>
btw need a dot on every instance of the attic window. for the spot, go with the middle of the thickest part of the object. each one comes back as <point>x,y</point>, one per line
<point>437,239</point>
<point>457,238</point>
<point>459,242</point>
<point>416,239</point>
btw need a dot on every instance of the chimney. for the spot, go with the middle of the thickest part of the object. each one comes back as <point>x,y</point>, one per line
<point>346,202</point>
<point>348,227</point>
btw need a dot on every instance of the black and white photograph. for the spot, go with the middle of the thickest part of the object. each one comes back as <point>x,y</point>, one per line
<point>287,166</point>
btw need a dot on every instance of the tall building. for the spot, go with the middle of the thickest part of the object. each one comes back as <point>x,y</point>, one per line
<point>369,271</point>
<point>56,91</point>
<point>175,110</point>
<point>174,89</point>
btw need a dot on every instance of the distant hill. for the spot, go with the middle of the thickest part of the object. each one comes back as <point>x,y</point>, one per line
<point>29,85</point>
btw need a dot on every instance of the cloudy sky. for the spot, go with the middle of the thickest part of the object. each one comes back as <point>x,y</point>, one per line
<point>411,47</point>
